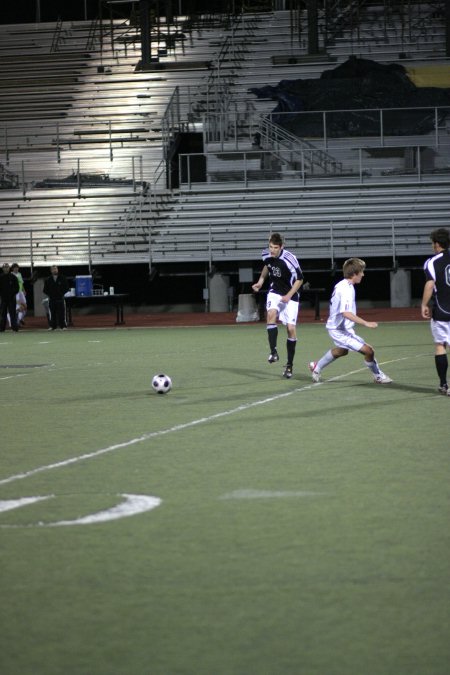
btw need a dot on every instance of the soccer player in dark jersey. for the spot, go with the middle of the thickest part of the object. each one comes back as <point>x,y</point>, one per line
<point>285,277</point>
<point>436,302</point>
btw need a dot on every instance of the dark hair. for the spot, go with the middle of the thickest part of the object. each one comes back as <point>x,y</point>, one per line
<point>276,238</point>
<point>441,236</point>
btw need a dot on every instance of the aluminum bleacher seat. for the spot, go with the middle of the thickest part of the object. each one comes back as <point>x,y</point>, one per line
<point>78,109</point>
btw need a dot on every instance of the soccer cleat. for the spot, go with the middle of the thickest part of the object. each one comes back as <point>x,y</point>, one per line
<point>273,358</point>
<point>315,374</point>
<point>443,389</point>
<point>381,378</point>
<point>287,373</point>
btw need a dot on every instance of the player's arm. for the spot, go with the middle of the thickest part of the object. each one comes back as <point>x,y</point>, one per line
<point>262,277</point>
<point>426,297</point>
<point>358,319</point>
<point>295,287</point>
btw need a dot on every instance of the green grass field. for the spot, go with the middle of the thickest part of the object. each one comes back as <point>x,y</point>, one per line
<point>301,529</point>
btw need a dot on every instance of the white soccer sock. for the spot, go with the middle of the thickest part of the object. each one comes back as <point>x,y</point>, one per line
<point>324,361</point>
<point>373,366</point>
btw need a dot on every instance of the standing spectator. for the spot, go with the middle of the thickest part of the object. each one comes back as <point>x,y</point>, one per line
<point>285,276</point>
<point>9,287</point>
<point>21,299</point>
<point>56,286</point>
<point>340,324</point>
<point>437,290</point>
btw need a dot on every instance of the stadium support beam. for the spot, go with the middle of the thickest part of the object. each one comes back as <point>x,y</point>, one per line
<point>144,14</point>
<point>447,28</point>
<point>313,27</point>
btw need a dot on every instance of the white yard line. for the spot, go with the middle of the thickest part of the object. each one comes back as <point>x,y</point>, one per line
<point>186,425</point>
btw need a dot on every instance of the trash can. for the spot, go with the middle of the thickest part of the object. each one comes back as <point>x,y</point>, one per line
<point>247,309</point>
<point>218,293</point>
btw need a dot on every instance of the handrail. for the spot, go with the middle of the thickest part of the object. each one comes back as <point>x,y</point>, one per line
<point>80,179</point>
<point>55,136</point>
<point>281,141</point>
<point>216,90</point>
<point>217,125</point>
<point>154,243</point>
<point>92,34</point>
<point>303,168</point>
<point>56,36</point>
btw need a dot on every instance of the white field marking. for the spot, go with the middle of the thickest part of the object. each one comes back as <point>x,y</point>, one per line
<point>29,372</point>
<point>269,494</point>
<point>187,425</point>
<point>9,504</point>
<point>132,506</point>
<point>12,377</point>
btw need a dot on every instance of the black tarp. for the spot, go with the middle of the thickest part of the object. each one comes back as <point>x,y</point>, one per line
<point>363,86</point>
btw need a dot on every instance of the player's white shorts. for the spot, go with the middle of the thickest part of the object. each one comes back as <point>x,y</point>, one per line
<point>440,330</point>
<point>287,311</point>
<point>347,339</point>
<point>21,299</point>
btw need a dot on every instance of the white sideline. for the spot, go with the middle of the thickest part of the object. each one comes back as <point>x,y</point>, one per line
<point>186,425</point>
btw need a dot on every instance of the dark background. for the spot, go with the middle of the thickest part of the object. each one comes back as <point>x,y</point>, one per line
<point>26,11</point>
<point>170,285</point>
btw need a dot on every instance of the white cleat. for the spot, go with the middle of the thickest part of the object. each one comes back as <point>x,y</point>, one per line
<point>381,378</point>
<point>315,374</point>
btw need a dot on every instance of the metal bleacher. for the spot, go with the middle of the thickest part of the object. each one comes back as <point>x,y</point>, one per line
<point>85,134</point>
<point>80,129</point>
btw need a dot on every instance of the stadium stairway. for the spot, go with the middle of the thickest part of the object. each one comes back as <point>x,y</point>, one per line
<point>72,109</point>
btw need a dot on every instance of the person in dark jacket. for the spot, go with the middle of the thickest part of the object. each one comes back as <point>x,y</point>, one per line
<point>9,287</point>
<point>55,287</point>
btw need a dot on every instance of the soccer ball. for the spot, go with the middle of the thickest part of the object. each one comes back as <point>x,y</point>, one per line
<point>161,383</point>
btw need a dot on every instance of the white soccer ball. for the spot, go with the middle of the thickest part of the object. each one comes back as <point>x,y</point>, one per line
<point>161,383</point>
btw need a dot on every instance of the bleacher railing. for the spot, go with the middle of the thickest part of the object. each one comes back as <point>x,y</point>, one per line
<point>384,126</point>
<point>214,95</point>
<point>333,240</point>
<point>337,144</point>
<point>250,167</point>
<point>66,135</point>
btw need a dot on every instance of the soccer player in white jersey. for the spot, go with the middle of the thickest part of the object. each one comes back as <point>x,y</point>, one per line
<point>437,290</point>
<point>340,324</point>
<point>285,277</point>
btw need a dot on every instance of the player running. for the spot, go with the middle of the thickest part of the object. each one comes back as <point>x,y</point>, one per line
<point>340,324</point>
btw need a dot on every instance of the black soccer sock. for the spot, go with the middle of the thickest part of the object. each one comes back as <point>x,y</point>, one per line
<point>441,362</point>
<point>272,334</point>
<point>290,346</point>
